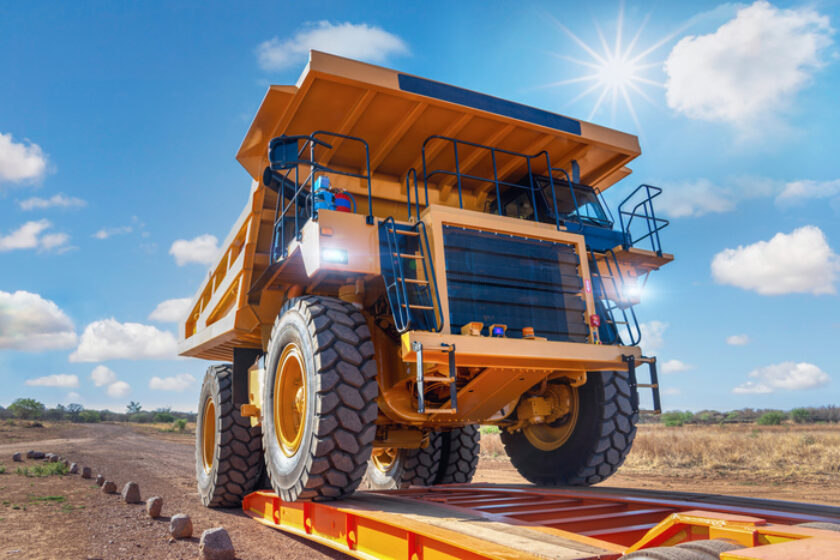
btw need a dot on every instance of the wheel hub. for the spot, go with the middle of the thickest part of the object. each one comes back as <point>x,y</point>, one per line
<point>208,434</point>
<point>290,399</point>
<point>557,427</point>
<point>384,458</point>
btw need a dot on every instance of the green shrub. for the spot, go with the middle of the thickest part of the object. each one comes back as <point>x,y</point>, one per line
<point>180,425</point>
<point>27,409</point>
<point>772,418</point>
<point>490,430</point>
<point>89,416</point>
<point>675,418</point>
<point>164,417</point>
<point>2,469</point>
<point>800,415</point>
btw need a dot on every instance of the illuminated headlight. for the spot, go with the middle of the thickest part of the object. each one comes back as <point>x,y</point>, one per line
<point>338,256</point>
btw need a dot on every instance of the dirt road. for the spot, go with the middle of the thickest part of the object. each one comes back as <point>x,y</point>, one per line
<point>68,517</point>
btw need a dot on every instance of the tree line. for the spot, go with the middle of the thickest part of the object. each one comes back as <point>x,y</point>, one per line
<point>766,417</point>
<point>31,409</point>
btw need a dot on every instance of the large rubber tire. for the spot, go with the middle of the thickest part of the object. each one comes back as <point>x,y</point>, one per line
<point>460,448</point>
<point>450,458</point>
<point>825,526</point>
<point>712,548</point>
<point>236,465</point>
<point>338,423</point>
<point>598,444</point>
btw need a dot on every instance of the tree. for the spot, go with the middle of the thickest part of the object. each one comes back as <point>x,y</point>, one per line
<point>133,407</point>
<point>164,416</point>
<point>74,410</point>
<point>27,408</point>
<point>89,416</point>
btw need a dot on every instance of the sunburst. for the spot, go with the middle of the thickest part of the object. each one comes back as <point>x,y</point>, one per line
<point>617,72</point>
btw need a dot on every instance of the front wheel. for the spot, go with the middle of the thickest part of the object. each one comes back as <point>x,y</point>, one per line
<point>319,399</point>
<point>588,443</point>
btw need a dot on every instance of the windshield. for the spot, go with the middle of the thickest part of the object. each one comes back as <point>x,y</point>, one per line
<point>589,207</point>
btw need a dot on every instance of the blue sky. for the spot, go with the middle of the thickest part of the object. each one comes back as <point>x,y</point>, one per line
<point>119,123</point>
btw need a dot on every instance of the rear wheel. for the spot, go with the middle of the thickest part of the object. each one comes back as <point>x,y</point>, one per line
<point>319,399</point>
<point>228,458</point>
<point>691,550</point>
<point>584,446</point>
<point>450,458</point>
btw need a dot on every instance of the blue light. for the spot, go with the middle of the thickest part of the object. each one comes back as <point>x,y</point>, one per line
<point>498,331</point>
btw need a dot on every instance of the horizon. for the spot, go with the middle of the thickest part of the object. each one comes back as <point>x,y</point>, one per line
<point>118,179</point>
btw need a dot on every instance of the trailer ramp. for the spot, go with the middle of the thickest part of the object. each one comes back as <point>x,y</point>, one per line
<point>523,522</point>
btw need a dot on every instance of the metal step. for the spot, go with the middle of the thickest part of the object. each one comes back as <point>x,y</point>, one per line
<point>405,256</point>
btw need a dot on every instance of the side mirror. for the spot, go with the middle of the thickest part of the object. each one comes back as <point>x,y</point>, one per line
<point>283,152</point>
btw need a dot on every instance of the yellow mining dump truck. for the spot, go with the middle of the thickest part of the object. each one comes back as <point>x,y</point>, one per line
<point>416,259</point>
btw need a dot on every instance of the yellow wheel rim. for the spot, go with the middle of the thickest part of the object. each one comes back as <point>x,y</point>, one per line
<point>553,435</point>
<point>384,458</point>
<point>289,400</point>
<point>208,434</point>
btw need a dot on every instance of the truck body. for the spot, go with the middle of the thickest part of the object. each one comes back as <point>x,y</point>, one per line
<point>454,250</point>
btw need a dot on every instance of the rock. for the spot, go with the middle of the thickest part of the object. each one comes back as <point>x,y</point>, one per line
<point>17,458</point>
<point>131,493</point>
<point>180,526</point>
<point>51,458</point>
<point>100,480</point>
<point>153,506</point>
<point>35,454</point>
<point>109,487</point>
<point>86,473</point>
<point>74,468</point>
<point>215,545</point>
<point>65,462</point>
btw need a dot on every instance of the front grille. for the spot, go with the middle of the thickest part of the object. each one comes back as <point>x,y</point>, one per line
<point>515,281</point>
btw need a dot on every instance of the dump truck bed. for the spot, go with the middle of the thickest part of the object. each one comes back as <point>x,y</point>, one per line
<point>395,113</point>
<point>482,521</point>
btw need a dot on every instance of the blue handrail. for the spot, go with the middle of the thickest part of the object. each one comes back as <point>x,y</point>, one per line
<point>290,161</point>
<point>642,210</point>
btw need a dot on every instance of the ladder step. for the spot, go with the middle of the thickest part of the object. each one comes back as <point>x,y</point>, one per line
<point>415,306</point>
<point>648,385</point>
<point>406,232</point>
<point>415,281</point>
<point>441,411</point>
<point>405,256</point>
<point>437,379</point>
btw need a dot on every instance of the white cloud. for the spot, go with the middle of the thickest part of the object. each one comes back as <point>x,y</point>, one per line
<point>357,41</point>
<point>694,198</point>
<point>675,366</point>
<point>20,161</point>
<point>31,323</point>
<point>102,375</point>
<point>178,382</point>
<point>652,336</point>
<point>55,201</point>
<point>171,310</point>
<point>105,233</point>
<point>108,339</point>
<point>29,236</point>
<point>750,68</point>
<point>73,397</point>
<point>798,262</point>
<point>118,389</point>
<point>738,340</point>
<point>797,192</point>
<point>202,250</point>
<point>57,380</point>
<point>786,376</point>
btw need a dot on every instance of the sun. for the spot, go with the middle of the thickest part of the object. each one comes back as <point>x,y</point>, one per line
<point>616,72</point>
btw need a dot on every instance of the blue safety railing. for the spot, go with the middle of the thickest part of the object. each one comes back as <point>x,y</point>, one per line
<point>642,208</point>
<point>540,160</point>
<point>295,196</point>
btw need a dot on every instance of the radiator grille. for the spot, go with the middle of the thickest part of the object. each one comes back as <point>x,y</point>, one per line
<point>516,281</point>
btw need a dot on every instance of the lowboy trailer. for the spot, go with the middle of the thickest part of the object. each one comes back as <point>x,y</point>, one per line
<point>490,522</point>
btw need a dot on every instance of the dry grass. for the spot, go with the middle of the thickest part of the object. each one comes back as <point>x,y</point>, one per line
<point>777,453</point>
<point>787,453</point>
